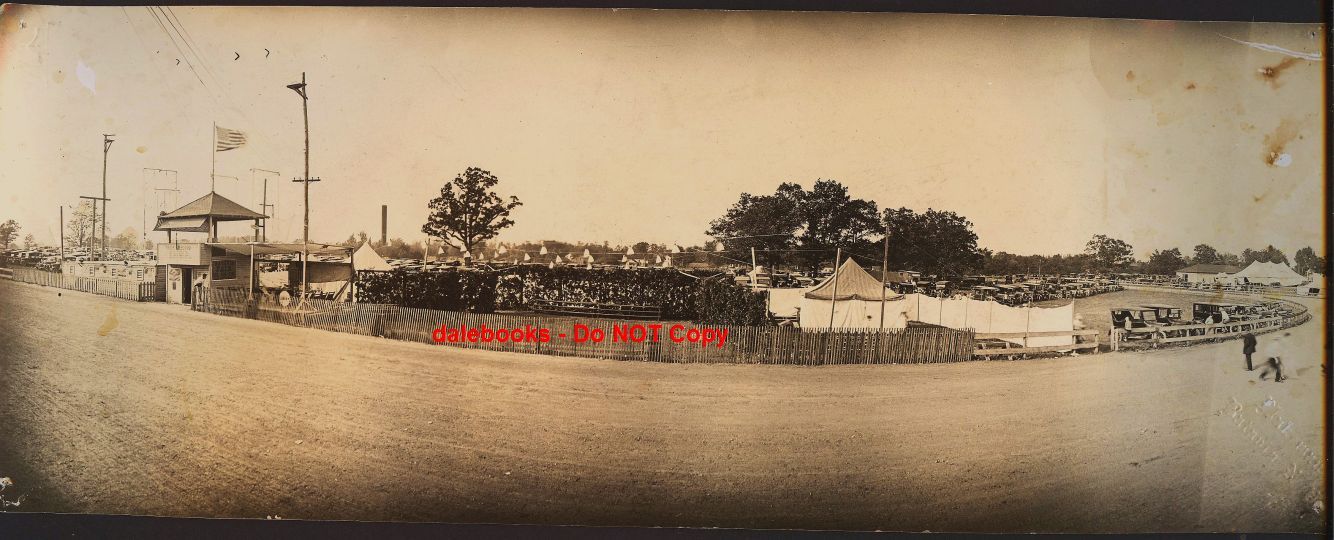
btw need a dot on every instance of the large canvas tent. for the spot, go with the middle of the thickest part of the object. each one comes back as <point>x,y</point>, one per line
<point>854,297</point>
<point>857,304</point>
<point>1268,273</point>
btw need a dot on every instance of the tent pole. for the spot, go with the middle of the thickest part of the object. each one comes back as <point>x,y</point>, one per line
<point>833,299</point>
<point>884,276</point>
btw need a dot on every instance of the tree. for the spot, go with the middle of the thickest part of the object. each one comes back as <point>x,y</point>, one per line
<point>9,230</point>
<point>129,239</point>
<point>1268,254</point>
<point>935,242</point>
<point>29,242</point>
<point>816,221</point>
<point>1109,253</point>
<point>1206,254</point>
<point>355,240</point>
<point>1306,261</point>
<point>766,223</point>
<point>1230,259</point>
<point>1165,262</point>
<point>468,211</point>
<point>830,218</point>
<point>79,226</point>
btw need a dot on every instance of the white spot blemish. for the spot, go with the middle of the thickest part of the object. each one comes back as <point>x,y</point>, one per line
<point>1314,57</point>
<point>86,76</point>
<point>1283,160</point>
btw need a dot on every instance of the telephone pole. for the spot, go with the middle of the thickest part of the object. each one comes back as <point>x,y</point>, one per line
<point>264,203</point>
<point>300,89</point>
<point>884,278</point>
<point>92,233</point>
<point>106,147</point>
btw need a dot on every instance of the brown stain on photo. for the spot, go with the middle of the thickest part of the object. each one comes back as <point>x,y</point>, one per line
<point>1271,74</point>
<point>1190,85</point>
<point>110,324</point>
<point>1276,141</point>
<point>141,149</point>
<point>1130,76</point>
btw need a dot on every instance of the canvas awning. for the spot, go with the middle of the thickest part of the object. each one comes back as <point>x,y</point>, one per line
<point>275,248</point>
<point>182,224</point>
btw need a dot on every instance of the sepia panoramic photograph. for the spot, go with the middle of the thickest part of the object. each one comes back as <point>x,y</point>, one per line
<point>663,268</point>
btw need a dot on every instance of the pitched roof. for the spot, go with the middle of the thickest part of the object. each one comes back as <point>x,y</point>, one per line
<point>217,206</point>
<point>853,282</point>
<point>365,258</point>
<point>1210,269</point>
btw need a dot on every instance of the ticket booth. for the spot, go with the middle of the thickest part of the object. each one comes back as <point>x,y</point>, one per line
<point>187,267</point>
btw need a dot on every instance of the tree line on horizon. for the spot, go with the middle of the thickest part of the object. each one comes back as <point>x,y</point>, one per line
<point>794,227</point>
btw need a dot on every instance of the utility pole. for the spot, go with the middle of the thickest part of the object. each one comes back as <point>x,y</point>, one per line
<point>263,204</point>
<point>93,233</point>
<point>300,89</point>
<point>62,235</point>
<point>884,277</point>
<point>384,224</point>
<point>106,147</point>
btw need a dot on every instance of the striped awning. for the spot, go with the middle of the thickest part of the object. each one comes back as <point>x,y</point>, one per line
<point>182,224</point>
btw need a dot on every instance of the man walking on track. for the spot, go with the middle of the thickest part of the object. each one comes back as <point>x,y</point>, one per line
<point>1275,354</point>
<point>1248,348</point>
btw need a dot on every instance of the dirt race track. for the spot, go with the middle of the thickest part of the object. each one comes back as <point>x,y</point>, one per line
<point>172,412</point>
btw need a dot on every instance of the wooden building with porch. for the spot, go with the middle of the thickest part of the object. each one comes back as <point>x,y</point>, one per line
<point>185,267</point>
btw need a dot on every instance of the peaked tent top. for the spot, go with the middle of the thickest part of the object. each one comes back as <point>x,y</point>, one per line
<point>365,258</point>
<point>853,283</point>
<point>1268,271</point>
<point>216,206</point>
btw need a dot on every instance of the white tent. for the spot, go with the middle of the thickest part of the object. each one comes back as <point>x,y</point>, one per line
<point>1266,273</point>
<point>855,303</point>
<point>365,258</point>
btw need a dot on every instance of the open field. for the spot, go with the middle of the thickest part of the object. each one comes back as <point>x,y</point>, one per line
<point>116,407</point>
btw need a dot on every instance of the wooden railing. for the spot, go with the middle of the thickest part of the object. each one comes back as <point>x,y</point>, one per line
<point>997,344</point>
<point>1157,336</point>
<point>126,290</point>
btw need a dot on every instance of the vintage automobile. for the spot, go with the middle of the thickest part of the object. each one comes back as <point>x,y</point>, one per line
<point>1133,318</point>
<point>1216,312</point>
<point>1164,314</point>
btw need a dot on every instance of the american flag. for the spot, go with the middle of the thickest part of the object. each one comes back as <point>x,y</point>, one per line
<point>228,139</point>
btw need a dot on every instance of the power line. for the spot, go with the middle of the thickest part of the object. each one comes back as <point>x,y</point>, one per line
<point>178,50</point>
<point>189,40</point>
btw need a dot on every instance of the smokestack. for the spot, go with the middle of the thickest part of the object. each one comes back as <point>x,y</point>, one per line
<point>384,224</point>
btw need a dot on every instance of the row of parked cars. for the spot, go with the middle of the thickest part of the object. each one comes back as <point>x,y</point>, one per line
<point>1148,320</point>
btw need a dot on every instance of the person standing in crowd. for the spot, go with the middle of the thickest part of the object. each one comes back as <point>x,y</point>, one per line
<point>1248,349</point>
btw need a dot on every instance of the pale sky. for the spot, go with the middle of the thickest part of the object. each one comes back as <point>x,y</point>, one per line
<point>645,125</point>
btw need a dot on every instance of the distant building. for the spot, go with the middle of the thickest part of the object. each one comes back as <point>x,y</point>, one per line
<point>1208,273</point>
